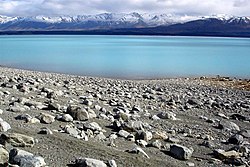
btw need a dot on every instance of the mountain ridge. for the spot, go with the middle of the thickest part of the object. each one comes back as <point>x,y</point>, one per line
<point>131,23</point>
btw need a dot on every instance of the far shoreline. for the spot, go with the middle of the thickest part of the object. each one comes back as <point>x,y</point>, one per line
<point>110,33</point>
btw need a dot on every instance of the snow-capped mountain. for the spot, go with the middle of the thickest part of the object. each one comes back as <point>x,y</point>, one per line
<point>105,20</point>
<point>131,23</point>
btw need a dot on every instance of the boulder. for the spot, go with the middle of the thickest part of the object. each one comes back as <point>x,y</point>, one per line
<point>25,159</point>
<point>46,118</point>
<point>17,140</point>
<point>78,113</point>
<point>181,152</point>
<point>89,162</point>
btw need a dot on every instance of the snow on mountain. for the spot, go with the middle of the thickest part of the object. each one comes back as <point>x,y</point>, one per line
<point>109,20</point>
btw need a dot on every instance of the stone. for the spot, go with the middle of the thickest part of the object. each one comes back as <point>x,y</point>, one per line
<point>17,140</point>
<point>45,131</point>
<point>25,117</point>
<point>155,117</point>
<point>4,126</point>
<point>142,143</point>
<point>33,120</point>
<point>1,111</point>
<point>245,133</point>
<point>78,113</point>
<point>46,118</point>
<point>92,114</point>
<point>25,159</point>
<point>100,136</point>
<point>87,102</point>
<point>123,133</point>
<point>173,140</point>
<point>112,163</point>
<point>221,154</point>
<point>181,152</point>
<point>138,150</point>
<point>17,109</point>
<point>144,135</point>
<point>53,106</point>
<point>89,162</point>
<point>156,144</point>
<point>191,164</point>
<point>236,139</point>
<point>4,156</point>
<point>160,135</point>
<point>72,131</point>
<point>93,126</point>
<point>167,115</point>
<point>67,118</point>
<point>228,125</point>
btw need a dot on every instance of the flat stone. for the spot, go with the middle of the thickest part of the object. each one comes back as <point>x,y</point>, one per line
<point>89,162</point>
<point>17,140</point>
<point>221,154</point>
<point>181,152</point>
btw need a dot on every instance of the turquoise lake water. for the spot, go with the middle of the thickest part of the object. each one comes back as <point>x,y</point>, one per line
<point>128,56</point>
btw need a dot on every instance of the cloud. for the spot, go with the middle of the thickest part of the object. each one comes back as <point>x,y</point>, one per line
<point>78,7</point>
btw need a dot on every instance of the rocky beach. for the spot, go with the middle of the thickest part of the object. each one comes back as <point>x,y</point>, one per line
<point>55,120</point>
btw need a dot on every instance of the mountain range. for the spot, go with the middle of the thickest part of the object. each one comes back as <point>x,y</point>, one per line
<point>128,23</point>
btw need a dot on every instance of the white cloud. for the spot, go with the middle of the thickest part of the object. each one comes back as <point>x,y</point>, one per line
<point>75,7</point>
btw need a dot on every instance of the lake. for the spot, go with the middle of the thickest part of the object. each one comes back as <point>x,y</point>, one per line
<point>128,56</point>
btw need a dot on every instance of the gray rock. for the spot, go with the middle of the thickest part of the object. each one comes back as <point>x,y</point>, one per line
<point>142,143</point>
<point>17,140</point>
<point>236,139</point>
<point>112,163</point>
<point>78,113</point>
<point>1,111</point>
<point>67,118</point>
<point>4,126</point>
<point>25,117</point>
<point>156,144</point>
<point>100,136</point>
<point>45,131</point>
<point>25,159</point>
<point>46,118</point>
<point>181,152</point>
<point>89,162</point>
<point>167,115</point>
<point>123,133</point>
<point>228,125</point>
<point>4,156</point>
<point>17,109</point>
<point>93,126</point>
<point>72,131</point>
<point>245,133</point>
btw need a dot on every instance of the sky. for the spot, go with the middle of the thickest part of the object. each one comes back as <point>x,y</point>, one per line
<point>79,7</point>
